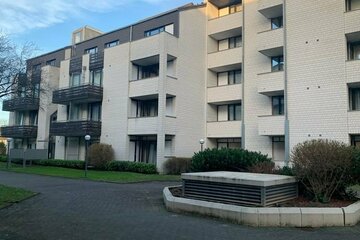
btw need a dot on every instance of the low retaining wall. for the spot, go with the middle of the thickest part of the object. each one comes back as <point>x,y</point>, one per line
<point>267,217</point>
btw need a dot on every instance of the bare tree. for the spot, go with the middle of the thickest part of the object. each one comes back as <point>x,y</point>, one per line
<point>13,65</point>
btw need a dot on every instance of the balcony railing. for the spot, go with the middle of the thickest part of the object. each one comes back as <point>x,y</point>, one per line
<point>76,128</point>
<point>80,94</point>
<point>21,104</point>
<point>75,65</point>
<point>96,61</point>
<point>23,131</point>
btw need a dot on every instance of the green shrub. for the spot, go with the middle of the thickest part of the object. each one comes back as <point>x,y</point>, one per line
<point>322,166</point>
<point>75,164</point>
<point>177,165</point>
<point>99,155</point>
<point>2,148</point>
<point>226,160</point>
<point>355,168</point>
<point>3,158</point>
<point>263,167</point>
<point>286,170</point>
<point>125,166</point>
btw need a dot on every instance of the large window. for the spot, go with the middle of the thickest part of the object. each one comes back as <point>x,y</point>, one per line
<point>73,112</point>
<point>148,108</point>
<point>229,78</point>
<point>354,51</point>
<point>168,28</point>
<point>148,71</point>
<point>75,79</point>
<point>277,63</point>
<point>96,77</point>
<point>354,99</point>
<point>277,22</point>
<point>228,43</point>
<point>91,50</point>
<point>352,5</point>
<point>112,44</point>
<point>33,117</point>
<point>278,148</point>
<point>234,112</point>
<point>278,105</point>
<point>95,111</point>
<point>233,143</point>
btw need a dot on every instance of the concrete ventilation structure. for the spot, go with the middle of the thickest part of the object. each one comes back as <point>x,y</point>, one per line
<point>259,74</point>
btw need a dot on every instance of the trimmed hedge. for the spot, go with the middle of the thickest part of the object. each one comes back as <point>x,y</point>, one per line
<point>75,164</point>
<point>236,160</point>
<point>177,165</point>
<point>124,166</point>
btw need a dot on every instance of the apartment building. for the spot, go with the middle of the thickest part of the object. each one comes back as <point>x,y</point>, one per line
<point>263,75</point>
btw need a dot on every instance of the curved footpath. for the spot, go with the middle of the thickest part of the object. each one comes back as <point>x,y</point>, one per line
<point>77,209</point>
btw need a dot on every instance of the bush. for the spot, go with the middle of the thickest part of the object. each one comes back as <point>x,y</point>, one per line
<point>355,168</point>
<point>76,164</point>
<point>2,148</point>
<point>177,165</point>
<point>286,170</point>
<point>124,166</point>
<point>224,159</point>
<point>100,154</point>
<point>321,166</point>
<point>263,167</point>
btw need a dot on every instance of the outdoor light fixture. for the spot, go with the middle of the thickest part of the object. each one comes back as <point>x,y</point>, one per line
<point>87,140</point>
<point>201,141</point>
<point>8,152</point>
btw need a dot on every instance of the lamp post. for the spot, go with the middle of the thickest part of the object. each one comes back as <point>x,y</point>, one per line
<point>8,152</point>
<point>87,140</point>
<point>202,141</point>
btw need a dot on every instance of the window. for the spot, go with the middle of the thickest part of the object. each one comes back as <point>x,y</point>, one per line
<point>51,62</point>
<point>147,108</point>
<point>36,68</point>
<point>73,112</point>
<point>234,112</point>
<point>148,71</point>
<point>91,50</point>
<point>277,22</point>
<point>233,143</point>
<point>77,37</point>
<point>278,148</point>
<point>112,44</point>
<point>19,118</point>
<point>228,43</point>
<point>352,5</point>
<point>354,51</point>
<point>94,112</point>
<point>96,77</point>
<point>33,118</point>
<point>234,77</point>
<point>36,90</point>
<point>168,28</point>
<point>22,92</point>
<point>75,79</point>
<point>277,63</point>
<point>354,95</point>
<point>355,140</point>
<point>229,10</point>
<point>278,105</point>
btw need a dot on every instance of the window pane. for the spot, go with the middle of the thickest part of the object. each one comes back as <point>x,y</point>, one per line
<point>231,77</point>
<point>75,79</point>
<point>231,112</point>
<point>355,99</point>
<point>276,22</point>
<point>237,77</point>
<point>238,112</point>
<point>278,105</point>
<point>97,77</point>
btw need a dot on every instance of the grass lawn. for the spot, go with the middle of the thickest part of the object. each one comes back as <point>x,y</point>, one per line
<point>9,195</point>
<point>117,177</point>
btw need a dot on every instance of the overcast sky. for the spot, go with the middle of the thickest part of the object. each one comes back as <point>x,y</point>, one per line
<point>49,23</point>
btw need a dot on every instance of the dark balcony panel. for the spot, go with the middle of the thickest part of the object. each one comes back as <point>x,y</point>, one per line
<point>79,94</point>
<point>75,65</point>
<point>76,128</point>
<point>19,131</point>
<point>96,61</point>
<point>21,104</point>
<point>36,76</point>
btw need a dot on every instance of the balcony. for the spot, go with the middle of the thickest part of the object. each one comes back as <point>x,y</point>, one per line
<point>76,128</point>
<point>352,21</point>
<point>271,125</point>
<point>96,61</point>
<point>271,42</point>
<point>143,126</point>
<point>80,94</point>
<point>352,71</point>
<point>225,26</point>
<point>225,60</point>
<point>21,104</point>
<point>227,129</point>
<point>144,87</point>
<point>354,122</point>
<point>24,131</point>
<point>271,8</point>
<point>224,94</point>
<point>75,65</point>
<point>272,83</point>
<point>154,45</point>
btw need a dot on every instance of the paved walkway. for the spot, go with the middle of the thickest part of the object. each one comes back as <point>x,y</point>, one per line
<point>75,209</point>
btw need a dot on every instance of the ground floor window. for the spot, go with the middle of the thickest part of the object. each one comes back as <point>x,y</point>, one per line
<point>278,148</point>
<point>355,140</point>
<point>144,148</point>
<point>232,143</point>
